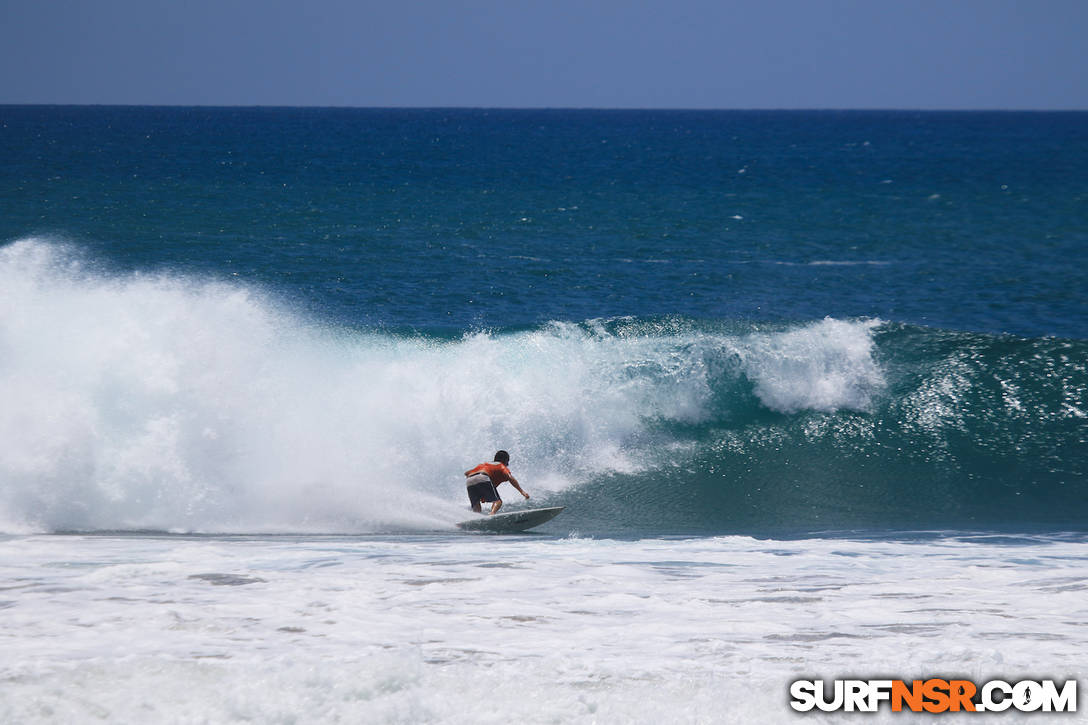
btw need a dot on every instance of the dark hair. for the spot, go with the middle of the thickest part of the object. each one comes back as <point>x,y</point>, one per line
<point>502,457</point>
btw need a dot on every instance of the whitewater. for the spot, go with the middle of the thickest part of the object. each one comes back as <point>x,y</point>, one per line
<point>812,388</point>
<point>554,628</point>
<point>167,402</point>
<point>179,404</point>
<point>217,509</point>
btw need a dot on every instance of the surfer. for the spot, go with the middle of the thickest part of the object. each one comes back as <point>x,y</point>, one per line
<point>483,480</point>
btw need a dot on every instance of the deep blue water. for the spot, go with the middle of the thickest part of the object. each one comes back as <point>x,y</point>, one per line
<point>692,255</point>
<point>469,218</point>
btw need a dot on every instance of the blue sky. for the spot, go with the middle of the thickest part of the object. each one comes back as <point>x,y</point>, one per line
<point>924,54</point>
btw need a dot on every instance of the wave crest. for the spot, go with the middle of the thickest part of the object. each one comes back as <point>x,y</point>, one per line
<point>169,402</point>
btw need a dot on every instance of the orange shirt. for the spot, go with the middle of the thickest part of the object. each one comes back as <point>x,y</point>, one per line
<point>497,472</point>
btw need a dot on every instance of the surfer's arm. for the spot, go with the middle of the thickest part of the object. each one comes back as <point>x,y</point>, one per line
<point>514,483</point>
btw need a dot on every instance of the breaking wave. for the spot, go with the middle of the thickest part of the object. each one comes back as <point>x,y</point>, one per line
<point>177,403</point>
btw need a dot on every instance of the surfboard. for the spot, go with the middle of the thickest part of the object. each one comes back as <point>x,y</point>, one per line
<point>512,522</point>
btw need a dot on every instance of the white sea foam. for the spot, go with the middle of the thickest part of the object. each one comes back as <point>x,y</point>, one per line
<point>167,402</point>
<point>824,366</point>
<point>470,629</point>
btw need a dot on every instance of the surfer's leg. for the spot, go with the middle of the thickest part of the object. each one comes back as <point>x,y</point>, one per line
<point>490,494</point>
<point>474,498</point>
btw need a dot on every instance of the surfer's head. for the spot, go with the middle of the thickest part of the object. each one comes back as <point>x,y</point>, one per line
<point>502,457</point>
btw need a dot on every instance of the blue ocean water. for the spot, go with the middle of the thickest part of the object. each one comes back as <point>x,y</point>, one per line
<point>811,387</point>
<point>709,322</point>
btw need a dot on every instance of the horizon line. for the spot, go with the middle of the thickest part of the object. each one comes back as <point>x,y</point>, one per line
<point>693,109</point>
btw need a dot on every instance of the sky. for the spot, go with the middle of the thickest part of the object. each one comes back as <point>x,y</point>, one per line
<point>901,54</point>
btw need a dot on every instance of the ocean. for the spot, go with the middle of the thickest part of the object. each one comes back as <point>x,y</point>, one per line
<point>810,385</point>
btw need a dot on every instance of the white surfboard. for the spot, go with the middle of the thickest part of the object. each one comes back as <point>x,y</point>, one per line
<point>514,521</point>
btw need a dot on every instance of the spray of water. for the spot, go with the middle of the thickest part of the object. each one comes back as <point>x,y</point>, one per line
<point>169,402</point>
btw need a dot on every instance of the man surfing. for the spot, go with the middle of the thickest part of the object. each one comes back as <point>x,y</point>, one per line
<point>483,480</point>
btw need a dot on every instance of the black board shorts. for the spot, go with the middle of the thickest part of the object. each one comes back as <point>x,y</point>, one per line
<point>483,491</point>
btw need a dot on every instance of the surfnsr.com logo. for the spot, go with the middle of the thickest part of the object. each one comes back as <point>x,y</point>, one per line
<point>934,695</point>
